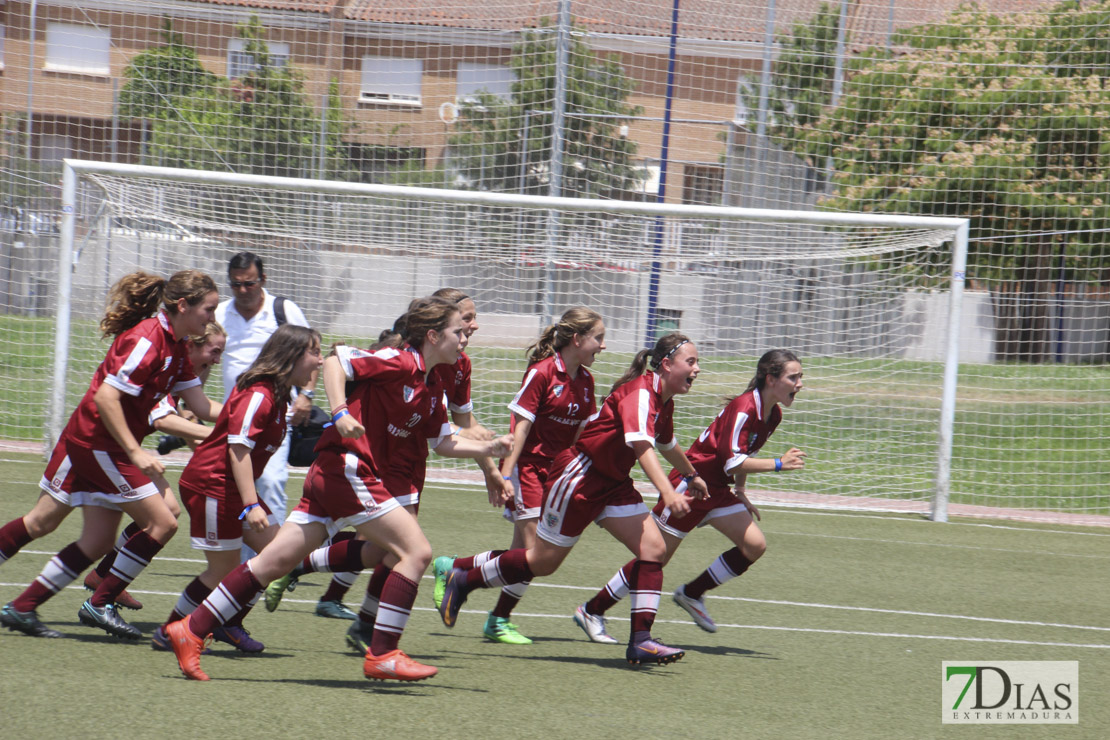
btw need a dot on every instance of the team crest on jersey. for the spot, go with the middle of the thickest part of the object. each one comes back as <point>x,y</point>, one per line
<point>557,390</point>
<point>586,395</point>
<point>458,377</point>
<point>408,392</point>
<point>552,519</point>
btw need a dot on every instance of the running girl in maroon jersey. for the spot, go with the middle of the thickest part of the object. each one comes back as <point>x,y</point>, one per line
<point>368,475</point>
<point>176,420</point>
<point>99,464</point>
<point>722,456</point>
<point>455,381</point>
<point>590,482</point>
<point>217,486</point>
<point>555,398</point>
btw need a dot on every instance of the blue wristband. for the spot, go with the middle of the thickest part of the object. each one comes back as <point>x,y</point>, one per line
<point>248,507</point>
<point>339,415</point>
<point>778,464</point>
<point>688,478</point>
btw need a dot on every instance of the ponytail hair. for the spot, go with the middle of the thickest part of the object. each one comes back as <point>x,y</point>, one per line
<point>136,297</point>
<point>279,357</point>
<point>578,320</point>
<point>395,336</point>
<point>133,298</point>
<point>412,327</point>
<point>665,347</point>
<point>772,363</point>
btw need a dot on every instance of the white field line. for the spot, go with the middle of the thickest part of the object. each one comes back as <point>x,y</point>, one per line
<point>918,519</point>
<point>773,628</point>
<point>773,602</point>
<point>943,545</point>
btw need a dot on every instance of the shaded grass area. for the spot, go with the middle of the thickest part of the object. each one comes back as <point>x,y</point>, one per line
<point>1026,436</point>
<point>839,631</point>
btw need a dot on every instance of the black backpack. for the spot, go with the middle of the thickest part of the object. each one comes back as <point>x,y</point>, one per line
<point>303,438</point>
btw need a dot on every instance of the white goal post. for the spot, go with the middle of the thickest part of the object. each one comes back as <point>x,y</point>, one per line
<point>854,295</point>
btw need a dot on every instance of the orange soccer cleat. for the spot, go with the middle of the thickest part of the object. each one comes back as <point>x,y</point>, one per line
<point>395,666</point>
<point>187,647</point>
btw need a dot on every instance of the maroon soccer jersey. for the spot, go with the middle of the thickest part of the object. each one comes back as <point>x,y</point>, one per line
<point>144,363</point>
<point>739,430</point>
<point>401,413</point>
<point>454,380</point>
<point>555,404</point>
<point>633,412</point>
<point>251,417</point>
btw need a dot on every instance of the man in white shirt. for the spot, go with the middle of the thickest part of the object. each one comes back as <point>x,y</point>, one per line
<point>249,318</point>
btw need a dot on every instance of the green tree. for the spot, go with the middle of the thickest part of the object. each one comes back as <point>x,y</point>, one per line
<point>1003,121</point>
<point>504,145</point>
<point>261,123</point>
<point>802,80</point>
<point>158,76</point>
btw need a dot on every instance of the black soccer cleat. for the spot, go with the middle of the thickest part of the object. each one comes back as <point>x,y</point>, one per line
<point>26,622</point>
<point>107,619</point>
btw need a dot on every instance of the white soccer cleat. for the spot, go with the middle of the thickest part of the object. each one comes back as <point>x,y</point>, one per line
<point>593,626</point>
<point>695,608</point>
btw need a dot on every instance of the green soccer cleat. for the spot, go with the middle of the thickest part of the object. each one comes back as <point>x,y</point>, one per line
<point>440,568</point>
<point>276,590</point>
<point>500,629</point>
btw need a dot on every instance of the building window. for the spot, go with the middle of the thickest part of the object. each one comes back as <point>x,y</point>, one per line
<point>391,80</point>
<point>2,34</point>
<point>240,63</point>
<point>703,184</point>
<point>496,79</point>
<point>77,49</point>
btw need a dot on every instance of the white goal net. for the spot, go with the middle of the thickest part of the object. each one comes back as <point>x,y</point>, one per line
<point>863,300</point>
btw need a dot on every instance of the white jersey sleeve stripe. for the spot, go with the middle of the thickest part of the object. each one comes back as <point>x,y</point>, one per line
<point>121,381</point>
<point>343,352</point>
<point>445,431</point>
<point>515,406</point>
<point>184,385</point>
<point>737,456</point>
<point>161,409</point>
<point>640,433</point>
<point>243,436</point>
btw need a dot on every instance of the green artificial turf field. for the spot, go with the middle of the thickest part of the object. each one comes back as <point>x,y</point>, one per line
<point>839,631</point>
